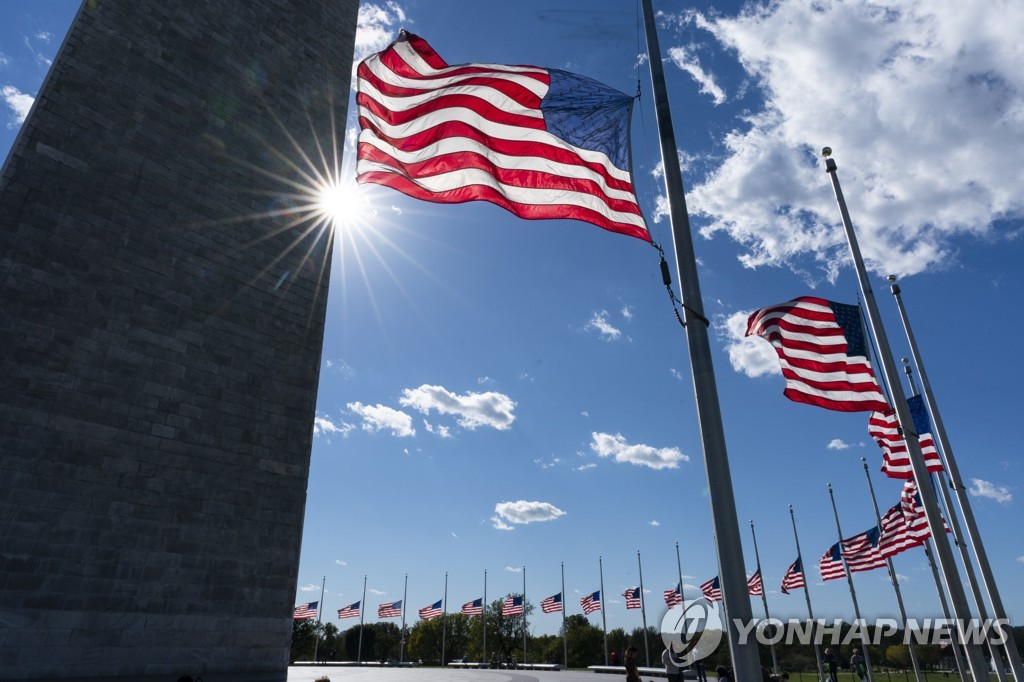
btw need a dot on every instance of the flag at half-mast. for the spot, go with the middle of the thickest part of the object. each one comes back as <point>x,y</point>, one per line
<point>432,611</point>
<point>712,589</point>
<point>390,610</point>
<point>552,604</point>
<point>541,143</point>
<point>512,606</point>
<point>831,564</point>
<point>305,611</point>
<point>861,551</point>
<point>473,608</point>
<point>591,602</point>
<point>755,586</point>
<point>350,611</point>
<point>883,428</point>
<point>632,595</point>
<point>794,578</point>
<point>822,353</point>
<point>674,596</point>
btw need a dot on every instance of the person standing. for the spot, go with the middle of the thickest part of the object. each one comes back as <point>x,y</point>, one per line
<point>831,664</point>
<point>859,665</point>
<point>672,669</point>
<point>632,673</point>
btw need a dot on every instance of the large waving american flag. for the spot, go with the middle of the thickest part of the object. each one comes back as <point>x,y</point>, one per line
<point>305,611</point>
<point>432,611</point>
<point>895,458</point>
<point>821,349</point>
<point>632,595</point>
<point>350,611</point>
<point>552,604</point>
<point>674,596</point>
<point>861,551</point>
<point>541,143</point>
<point>512,606</point>
<point>755,586</point>
<point>473,608</point>
<point>712,589</point>
<point>390,610</point>
<point>592,602</point>
<point>794,578</point>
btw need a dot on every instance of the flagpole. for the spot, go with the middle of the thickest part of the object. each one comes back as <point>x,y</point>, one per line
<point>319,612</point>
<point>604,623</point>
<point>524,615</point>
<point>745,662</point>
<point>957,652</point>
<point>807,596</point>
<point>444,619</point>
<point>643,609</point>
<point>764,598</point>
<point>679,567</point>
<point>965,558</point>
<point>405,594</point>
<point>849,580</point>
<point>483,618</point>
<point>949,461</point>
<point>892,577</point>
<point>565,630</point>
<point>362,614</point>
<point>957,598</point>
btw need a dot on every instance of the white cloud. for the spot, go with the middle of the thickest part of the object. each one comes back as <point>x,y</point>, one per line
<point>376,26</point>
<point>324,426</point>
<point>689,63</point>
<point>1020,559</point>
<point>599,322</point>
<point>483,381</point>
<point>750,355</point>
<point>626,312</point>
<point>922,100</point>
<point>19,103</point>
<point>837,444</point>
<point>675,373</point>
<point>309,588</point>
<point>441,431</point>
<point>379,593</point>
<point>471,409</point>
<point>654,522</point>
<point>452,533</point>
<point>44,36</point>
<point>607,445</point>
<point>4,59</point>
<point>514,569</point>
<point>380,417</point>
<point>341,562</point>
<point>982,488</point>
<point>584,413</point>
<point>585,467</point>
<point>522,512</point>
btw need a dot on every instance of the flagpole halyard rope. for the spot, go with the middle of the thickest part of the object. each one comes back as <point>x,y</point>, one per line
<point>666,277</point>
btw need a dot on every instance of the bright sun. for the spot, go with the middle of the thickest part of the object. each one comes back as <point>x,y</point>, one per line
<point>341,203</point>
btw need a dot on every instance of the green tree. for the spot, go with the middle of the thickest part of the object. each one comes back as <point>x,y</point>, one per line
<point>505,633</point>
<point>586,642</point>
<point>304,634</point>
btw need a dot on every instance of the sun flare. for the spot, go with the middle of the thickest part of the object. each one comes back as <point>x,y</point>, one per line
<point>342,203</point>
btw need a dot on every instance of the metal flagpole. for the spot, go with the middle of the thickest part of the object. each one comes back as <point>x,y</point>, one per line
<point>764,598</point>
<point>679,567</point>
<point>401,646</point>
<point>958,655</point>
<point>319,612</point>
<point>965,558</point>
<point>807,595</point>
<point>483,618</point>
<point>524,615</point>
<point>362,613</point>
<point>849,580</point>
<point>604,623</point>
<point>892,577</point>
<point>444,619</point>
<point>643,609</point>
<point>565,629</point>
<point>957,598</point>
<point>973,536</point>
<point>745,662</point>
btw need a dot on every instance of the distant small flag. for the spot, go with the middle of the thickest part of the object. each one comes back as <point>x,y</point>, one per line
<point>473,608</point>
<point>674,596</point>
<point>882,427</point>
<point>861,551</point>
<point>712,589</point>
<point>794,578</point>
<point>632,595</point>
<point>831,564</point>
<point>591,603</point>
<point>390,610</point>
<point>551,604</point>
<point>821,349</point>
<point>755,586</point>
<point>432,611</point>
<point>512,606</point>
<point>305,611</point>
<point>350,611</point>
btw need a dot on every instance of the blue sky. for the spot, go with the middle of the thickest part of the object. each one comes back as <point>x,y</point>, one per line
<point>499,393</point>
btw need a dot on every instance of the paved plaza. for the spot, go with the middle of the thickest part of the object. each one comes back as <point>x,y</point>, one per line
<point>352,674</point>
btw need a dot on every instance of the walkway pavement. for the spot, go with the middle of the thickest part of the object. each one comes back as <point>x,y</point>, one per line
<point>351,674</point>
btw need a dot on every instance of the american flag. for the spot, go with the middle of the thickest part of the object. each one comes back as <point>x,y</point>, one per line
<point>632,595</point>
<point>883,428</point>
<point>591,603</point>
<point>305,611</point>
<point>821,348</point>
<point>432,611</point>
<point>794,578</point>
<point>473,608</point>
<point>755,586</point>
<point>350,611</point>
<point>895,536</point>
<point>831,564</point>
<point>861,551</point>
<point>673,596</point>
<point>512,606</point>
<point>712,589</point>
<point>391,610</point>
<point>541,143</point>
<point>551,604</point>
<point>913,512</point>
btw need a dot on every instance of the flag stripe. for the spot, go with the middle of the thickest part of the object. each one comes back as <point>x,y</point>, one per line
<point>551,604</point>
<point>794,578</point>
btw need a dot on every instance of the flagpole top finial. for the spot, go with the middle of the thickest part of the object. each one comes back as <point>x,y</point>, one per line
<point>891,279</point>
<point>826,152</point>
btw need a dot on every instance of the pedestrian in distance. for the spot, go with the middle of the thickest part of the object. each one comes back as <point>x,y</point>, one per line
<point>672,670</point>
<point>859,665</point>
<point>632,673</point>
<point>831,665</point>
